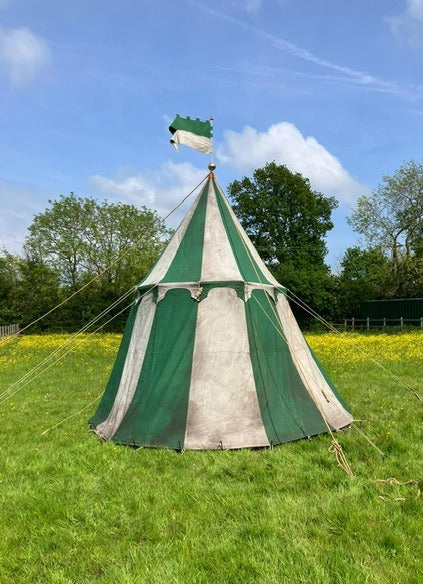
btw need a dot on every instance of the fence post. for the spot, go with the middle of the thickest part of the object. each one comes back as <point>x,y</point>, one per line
<point>352,324</point>
<point>368,323</point>
<point>421,322</point>
<point>345,323</point>
<point>384,322</point>
<point>401,322</point>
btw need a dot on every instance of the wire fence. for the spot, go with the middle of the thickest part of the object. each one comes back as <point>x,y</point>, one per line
<point>7,330</point>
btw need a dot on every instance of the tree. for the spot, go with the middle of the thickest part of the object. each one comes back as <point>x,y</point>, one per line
<point>27,291</point>
<point>392,217</point>
<point>81,237</point>
<point>56,237</point>
<point>78,238</point>
<point>287,222</point>
<point>364,264</point>
<point>37,292</point>
<point>9,275</point>
<point>365,275</point>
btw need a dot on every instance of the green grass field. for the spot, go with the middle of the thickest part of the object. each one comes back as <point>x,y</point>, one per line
<point>75,510</point>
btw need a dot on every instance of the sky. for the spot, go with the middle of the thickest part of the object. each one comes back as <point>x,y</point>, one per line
<point>333,89</point>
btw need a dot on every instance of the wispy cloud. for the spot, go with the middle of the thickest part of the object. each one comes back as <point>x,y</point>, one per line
<point>23,54</point>
<point>280,74</point>
<point>408,25</point>
<point>161,190</point>
<point>285,144</point>
<point>344,73</point>
<point>252,5</point>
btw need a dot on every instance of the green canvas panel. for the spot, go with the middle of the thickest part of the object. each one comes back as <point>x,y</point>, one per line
<point>111,390</point>
<point>140,283</point>
<point>186,265</point>
<point>247,266</point>
<point>327,379</point>
<point>196,126</point>
<point>239,288</point>
<point>287,410</point>
<point>158,411</point>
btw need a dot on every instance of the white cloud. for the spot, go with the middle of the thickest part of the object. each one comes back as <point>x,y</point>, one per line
<point>408,25</point>
<point>252,5</point>
<point>285,144</point>
<point>161,190</point>
<point>23,54</point>
<point>18,204</point>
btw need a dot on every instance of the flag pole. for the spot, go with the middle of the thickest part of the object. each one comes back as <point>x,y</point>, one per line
<point>212,144</point>
<point>212,165</point>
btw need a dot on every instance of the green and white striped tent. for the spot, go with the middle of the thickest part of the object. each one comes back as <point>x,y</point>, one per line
<point>212,356</point>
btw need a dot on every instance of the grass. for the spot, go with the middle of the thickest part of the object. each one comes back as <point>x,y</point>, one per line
<point>75,510</point>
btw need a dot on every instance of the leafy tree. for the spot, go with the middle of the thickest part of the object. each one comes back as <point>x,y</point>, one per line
<point>365,275</point>
<point>364,264</point>
<point>287,222</point>
<point>27,291</point>
<point>81,237</point>
<point>392,218</point>
<point>76,239</point>
<point>9,275</point>
<point>37,292</point>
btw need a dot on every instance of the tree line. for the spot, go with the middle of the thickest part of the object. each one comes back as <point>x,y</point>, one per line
<point>77,240</point>
<point>288,221</point>
<point>78,244</point>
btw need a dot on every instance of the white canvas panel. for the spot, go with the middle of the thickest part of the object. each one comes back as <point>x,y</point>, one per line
<point>223,409</point>
<point>250,246</point>
<point>333,411</point>
<point>132,368</point>
<point>218,259</point>
<point>160,269</point>
<point>200,143</point>
<point>268,288</point>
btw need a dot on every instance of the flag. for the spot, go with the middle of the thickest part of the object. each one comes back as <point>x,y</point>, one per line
<point>194,133</point>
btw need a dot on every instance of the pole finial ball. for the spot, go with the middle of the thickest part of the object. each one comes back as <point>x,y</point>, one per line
<point>212,166</point>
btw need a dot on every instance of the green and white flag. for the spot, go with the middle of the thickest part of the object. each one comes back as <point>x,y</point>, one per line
<point>194,133</point>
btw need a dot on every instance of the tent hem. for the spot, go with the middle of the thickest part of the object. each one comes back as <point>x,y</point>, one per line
<point>138,444</point>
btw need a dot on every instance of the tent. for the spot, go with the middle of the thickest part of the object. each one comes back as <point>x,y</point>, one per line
<point>212,356</point>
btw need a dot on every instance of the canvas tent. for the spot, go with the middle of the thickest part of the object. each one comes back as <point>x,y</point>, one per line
<point>212,356</point>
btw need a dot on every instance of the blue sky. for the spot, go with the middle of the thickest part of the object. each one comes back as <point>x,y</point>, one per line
<point>333,89</point>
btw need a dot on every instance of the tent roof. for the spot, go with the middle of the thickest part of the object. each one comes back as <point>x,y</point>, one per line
<point>210,245</point>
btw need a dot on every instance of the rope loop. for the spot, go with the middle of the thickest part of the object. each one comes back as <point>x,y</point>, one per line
<point>336,448</point>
